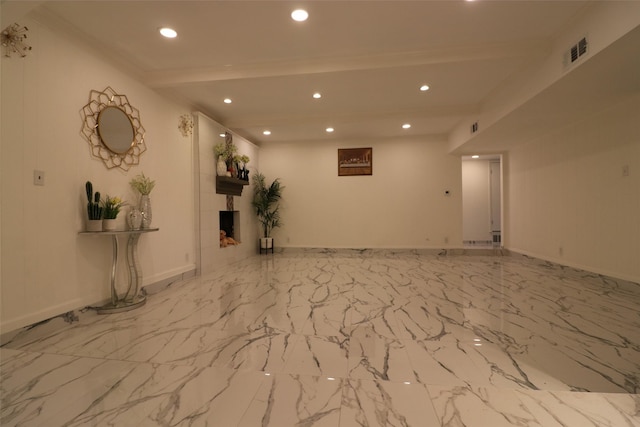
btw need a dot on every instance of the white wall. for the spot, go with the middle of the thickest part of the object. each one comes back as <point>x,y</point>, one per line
<point>602,22</point>
<point>47,268</point>
<point>567,198</point>
<point>211,254</point>
<point>476,208</point>
<point>402,205</point>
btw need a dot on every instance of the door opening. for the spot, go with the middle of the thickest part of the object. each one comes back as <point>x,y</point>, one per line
<point>482,201</point>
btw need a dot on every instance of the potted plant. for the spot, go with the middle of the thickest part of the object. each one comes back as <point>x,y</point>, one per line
<point>111,208</point>
<point>225,151</point>
<point>94,210</point>
<point>265,202</point>
<point>244,159</point>
<point>142,185</point>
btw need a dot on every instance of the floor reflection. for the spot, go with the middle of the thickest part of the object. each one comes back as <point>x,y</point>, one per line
<point>343,338</point>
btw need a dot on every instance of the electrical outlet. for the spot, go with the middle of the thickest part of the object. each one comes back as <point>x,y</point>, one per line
<point>38,177</point>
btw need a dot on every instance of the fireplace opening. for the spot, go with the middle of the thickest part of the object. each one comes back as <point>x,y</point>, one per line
<point>230,224</point>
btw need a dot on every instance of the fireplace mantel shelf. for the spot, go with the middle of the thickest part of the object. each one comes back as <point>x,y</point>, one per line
<point>230,186</point>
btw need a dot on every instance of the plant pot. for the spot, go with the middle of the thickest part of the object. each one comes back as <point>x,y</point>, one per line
<point>108,225</point>
<point>94,225</point>
<point>266,244</point>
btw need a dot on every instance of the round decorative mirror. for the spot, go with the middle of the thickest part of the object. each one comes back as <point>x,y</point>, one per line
<point>111,126</point>
<point>115,130</point>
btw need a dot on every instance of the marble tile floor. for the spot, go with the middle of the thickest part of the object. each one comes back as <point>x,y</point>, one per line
<point>340,339</point>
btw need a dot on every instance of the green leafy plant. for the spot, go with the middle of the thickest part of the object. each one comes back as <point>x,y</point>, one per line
<point>226,151</point>
<point>142,184</point>
<point>266,203</point>
<point>111,206</point>
<point>94,210</point>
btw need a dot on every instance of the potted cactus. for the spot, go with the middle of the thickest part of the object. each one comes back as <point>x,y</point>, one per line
<point>94,210</point>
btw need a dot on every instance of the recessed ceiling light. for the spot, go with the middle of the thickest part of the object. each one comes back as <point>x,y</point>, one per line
<point>329,130</point>
<point>266,132</point>
<point>222,135</point>
<point>169,33</point>
<point>475,156</point>
<point>406,126</point>
<point>317,95</point>
<point>299,15</point>
<point>228,101</point>
<point>424,88</point>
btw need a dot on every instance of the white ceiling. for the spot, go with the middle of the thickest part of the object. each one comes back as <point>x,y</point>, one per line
<point>367,58</point>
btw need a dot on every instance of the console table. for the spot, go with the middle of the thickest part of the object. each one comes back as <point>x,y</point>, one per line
<point>132,298</point>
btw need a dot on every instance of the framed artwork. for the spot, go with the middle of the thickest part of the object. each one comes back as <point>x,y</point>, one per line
<point>355,161</point>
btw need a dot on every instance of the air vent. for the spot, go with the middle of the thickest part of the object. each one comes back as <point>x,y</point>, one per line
<point>474,127</point>
<point>576,52</point>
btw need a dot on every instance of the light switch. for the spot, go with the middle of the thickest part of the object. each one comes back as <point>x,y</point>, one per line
<point>38,177</point>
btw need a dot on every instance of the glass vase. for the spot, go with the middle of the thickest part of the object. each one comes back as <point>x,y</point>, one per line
<point>145,209</point>
<point>135,219</point>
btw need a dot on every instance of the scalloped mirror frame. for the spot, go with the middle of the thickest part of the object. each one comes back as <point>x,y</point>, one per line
<point>98,101</point>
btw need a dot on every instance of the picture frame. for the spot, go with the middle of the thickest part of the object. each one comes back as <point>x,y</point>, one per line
<point>355,161</point>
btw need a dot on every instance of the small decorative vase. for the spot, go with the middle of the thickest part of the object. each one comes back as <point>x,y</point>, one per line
<point>134,219</point>
<point>94,225</point>
<point>108,224</point>
<point>145,209</point>
<point>221,167</point>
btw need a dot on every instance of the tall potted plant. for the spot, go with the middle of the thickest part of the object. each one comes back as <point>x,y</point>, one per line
<point>266,204</point>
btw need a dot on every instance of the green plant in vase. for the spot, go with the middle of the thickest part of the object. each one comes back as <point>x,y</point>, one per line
<point>144,185</point>
<point>265,202</point>
<point>244,159</point>
<point>94,210</point>
<point>225,152</point>
<point>111,207</point>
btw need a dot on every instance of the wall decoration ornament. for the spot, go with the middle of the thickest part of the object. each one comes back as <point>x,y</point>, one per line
<point>12,40</point>
<point>112,127</point>
<point>186,125</point>
<point>355,161</point>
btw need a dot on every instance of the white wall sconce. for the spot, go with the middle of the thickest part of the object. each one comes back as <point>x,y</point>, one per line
<point>185,125</point>
<point>12,39</point>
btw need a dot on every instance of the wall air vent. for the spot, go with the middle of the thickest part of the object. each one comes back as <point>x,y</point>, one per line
<point>474,127</point>
<point>576,52</point>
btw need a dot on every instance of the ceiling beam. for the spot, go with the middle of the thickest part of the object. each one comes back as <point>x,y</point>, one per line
<point>169,78</point>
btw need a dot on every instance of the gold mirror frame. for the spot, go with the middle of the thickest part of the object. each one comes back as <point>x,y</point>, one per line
<point>99,101</point>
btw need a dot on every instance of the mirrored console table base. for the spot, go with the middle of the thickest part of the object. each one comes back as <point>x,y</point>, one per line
<point>122,306</point>
<point>134,297</point>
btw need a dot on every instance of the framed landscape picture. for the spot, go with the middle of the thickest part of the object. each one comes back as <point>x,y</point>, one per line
<point>355,161</point>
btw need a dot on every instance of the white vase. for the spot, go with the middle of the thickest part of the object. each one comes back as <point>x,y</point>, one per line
<point>145,209</point>
<point>94,225</point>
<point>221,167</point>
<point>108,224</point>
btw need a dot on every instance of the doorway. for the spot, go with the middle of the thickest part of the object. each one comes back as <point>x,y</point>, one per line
<point>482,201</point>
